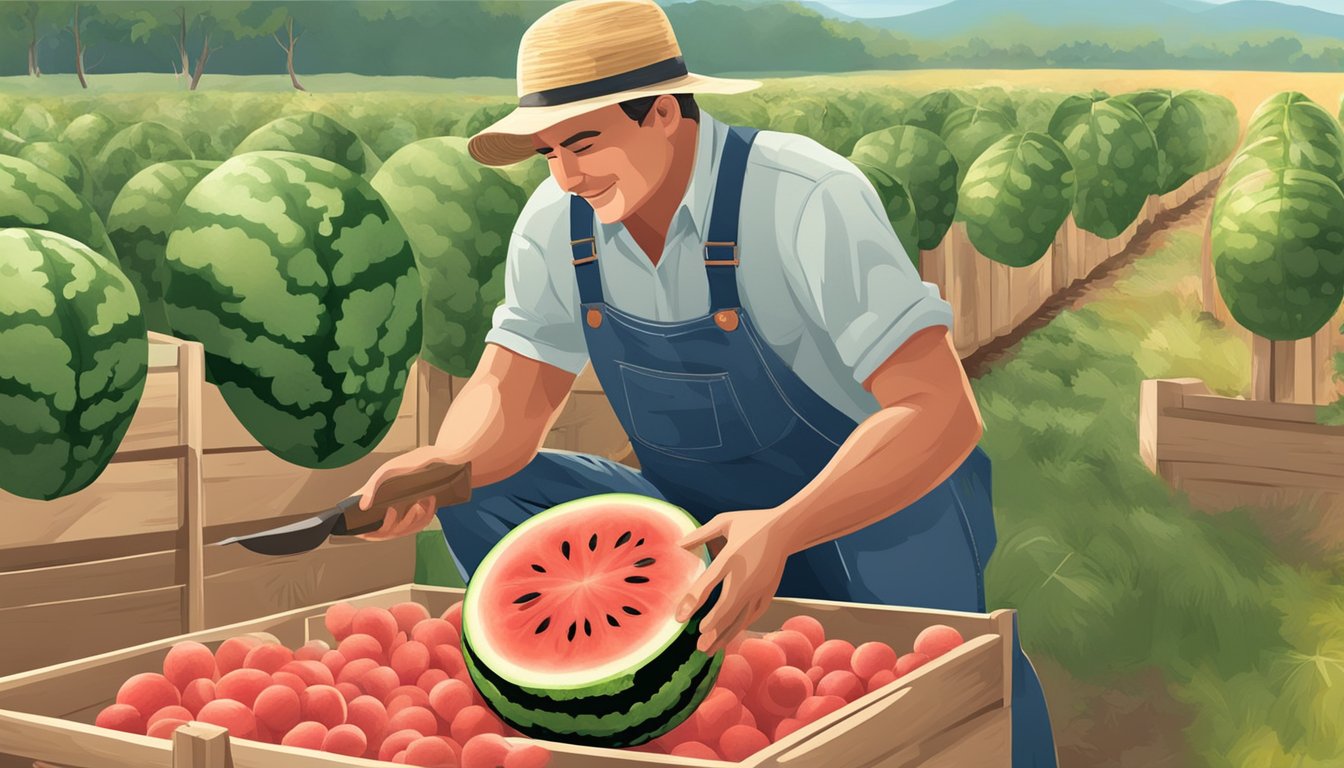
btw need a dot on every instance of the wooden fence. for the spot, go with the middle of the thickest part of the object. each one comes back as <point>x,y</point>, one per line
<point>990,300</point>
<point>1226,452</point>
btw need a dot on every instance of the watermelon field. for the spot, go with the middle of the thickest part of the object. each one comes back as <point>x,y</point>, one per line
<point>319,243</point>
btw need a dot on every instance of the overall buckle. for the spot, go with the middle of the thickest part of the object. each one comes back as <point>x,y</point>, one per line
<point>721,262</point>
<point>592,242</point>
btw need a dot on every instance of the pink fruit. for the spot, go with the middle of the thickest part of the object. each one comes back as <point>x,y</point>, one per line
<point>797,648</point>
<point>449,659</point>
<point>432,752</point>
<point>197,693</point>
<point>486,750</point>
<point>355,670</point>
<point>377,623</point>
<point>844,684</point>
<point>716,713</point>
<point>187,661</point>
<point>808,627</point>
<point>475,720</point>
<point>323,704</point>
<point>786,726</point>
<point>313,650</point>
<point>411,660</point>
<point>406,696</point>
<point>408,614</point>
<point>121,717</point>
<point>763,656</point>
<point>349,691</point>
<point>936,640</point>
<point>334,661</point>
<point>450,697</point>
<point>148,692</point>
<point>415,718</point>
<point>379,682</point>
<point>362,646</point>
<point>735,675</point>
<point>230,714</point>
<point>785,689</point>
<point>740,742</point>
<point>871,658</point>
<point>834,655</point>
<point>881,678</point>
<point>174,712</point>
<point>338,620</point>
<point>694,749</point>
<point>454,615</point>
<point>397,741</point>
<point>268,658</point>
<point>345,740</point>
<point>163,729</point>
<point>242,685</point>
<point>815,674</point>
<point>909,663</point>
<point>431,678</point>
<point>528,756</point>
<point>818,707</point>
<point>310,672</point>
<point>233,652</point>
<point>277,708</point>
<point>370,716</point>
<point>305,735</point>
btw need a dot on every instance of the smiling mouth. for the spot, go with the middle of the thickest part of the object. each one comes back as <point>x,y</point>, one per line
<point>599,193</point>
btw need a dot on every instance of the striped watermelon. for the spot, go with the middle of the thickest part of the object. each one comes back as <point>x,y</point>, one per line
<point>35,123</point>
<point>33,197</point>
<point>73,358</point>
<point>61,160</point>
<point>569,627</point>
<point>139,223</point>
<point>88,133</point>
<point>129,151</point>
<point>311,133</point>
<point>458,214</point>
<point>303,289</point>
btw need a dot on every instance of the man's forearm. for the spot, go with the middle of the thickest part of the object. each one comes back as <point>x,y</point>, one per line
<point>475,431</point>
<point>891,460</point>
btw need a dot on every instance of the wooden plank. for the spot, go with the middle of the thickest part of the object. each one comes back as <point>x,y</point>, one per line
<point>1296,413</point>
<point>221,430</point>
<point>1157,398</point>
<point>1262,369</point>
<point>136,498</point>
<point>1252,443</point>
<point>50,633</point>
<point>1283,371</point>
<point>1059,262</point>
<point>1303,373</point>
<point>191,538</point>
<point>242,585</point>
<point>154,424</point>
<point>890,730</point>
<point>1323,364</point>
<point>243,487</point>
<point>163,351</point>
<point>90,579</point>
<point>1001,300</point>
<point>1263,478</point>
<point>201,745</point>
<point>984,742</point>
<point>971,299</point>
<point>1029,287</point>
<point>79,745</point>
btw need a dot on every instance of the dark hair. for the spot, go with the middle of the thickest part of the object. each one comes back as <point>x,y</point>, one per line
<point>638,109</point>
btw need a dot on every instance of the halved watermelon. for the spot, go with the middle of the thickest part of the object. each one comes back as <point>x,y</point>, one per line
<point>568,625</point>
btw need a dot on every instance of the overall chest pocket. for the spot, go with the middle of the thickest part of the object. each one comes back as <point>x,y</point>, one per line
<point>688,415</point>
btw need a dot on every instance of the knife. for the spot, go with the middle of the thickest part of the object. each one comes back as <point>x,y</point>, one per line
<point>448,483</point>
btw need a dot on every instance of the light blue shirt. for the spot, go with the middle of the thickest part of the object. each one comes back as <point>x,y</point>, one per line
<point>822,275</point>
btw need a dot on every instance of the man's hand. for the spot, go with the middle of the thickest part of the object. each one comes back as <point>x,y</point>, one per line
<point>750,564</point>
<point>407,518</point>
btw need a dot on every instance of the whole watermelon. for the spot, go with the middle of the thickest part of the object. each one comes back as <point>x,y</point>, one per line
<point>35,123</point>
<point>61,160</point>
<point>130,151</point>
<point>140,222</point>
<point>1015,197</point>
<point>923,164</point>
<point>458,215</point>
<point>88,133</point>
<point>303,289</point>
<point>73,358</point>
<point>310,133</point>
<point>33,197</point>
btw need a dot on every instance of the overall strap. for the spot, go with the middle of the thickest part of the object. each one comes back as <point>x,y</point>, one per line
<point>584,247</point>
<point>721,248</point>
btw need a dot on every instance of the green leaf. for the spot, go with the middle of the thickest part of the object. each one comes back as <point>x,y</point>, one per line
<point>1114,156</point>
<point>969,131</point>
<point>923,164</point>
<point>1015,197</point>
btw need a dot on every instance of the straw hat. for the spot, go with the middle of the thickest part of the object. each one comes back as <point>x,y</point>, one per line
<point>585,55</point>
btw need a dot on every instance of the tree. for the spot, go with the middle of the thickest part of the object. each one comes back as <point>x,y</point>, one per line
<point>289,51</point>
<point>33,21</point>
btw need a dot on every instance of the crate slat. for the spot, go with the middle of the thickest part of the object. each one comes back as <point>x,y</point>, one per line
<point>87,579</point>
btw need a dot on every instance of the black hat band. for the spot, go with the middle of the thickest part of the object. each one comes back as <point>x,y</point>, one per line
<point>658,72</point>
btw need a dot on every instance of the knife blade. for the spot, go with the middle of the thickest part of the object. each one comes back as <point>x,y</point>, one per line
<point>448,483</point>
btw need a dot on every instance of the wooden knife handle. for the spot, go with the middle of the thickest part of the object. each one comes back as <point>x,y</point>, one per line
<point>447,483</point>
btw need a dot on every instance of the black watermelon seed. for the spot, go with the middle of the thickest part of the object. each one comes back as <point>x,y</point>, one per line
<point>529,597</point>
<point>637,579</point>
<point>646,562</point>
<point>629,610</point>
<point>564,549</point>
<point>538,568</point>
<point>573,627</point>
<point>587,628</point>
<point>624,538</point>
<point>546,622</point>
<point>592,543</point>
<point>612,620</point>
<point>639,543</point>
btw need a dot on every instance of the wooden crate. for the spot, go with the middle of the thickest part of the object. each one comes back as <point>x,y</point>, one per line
<point>111,565</point>
<point>954,711</point>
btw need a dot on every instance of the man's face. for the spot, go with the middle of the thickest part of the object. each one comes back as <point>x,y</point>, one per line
<point>609,159</point>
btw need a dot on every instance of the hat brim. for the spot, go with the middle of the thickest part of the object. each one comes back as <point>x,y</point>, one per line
<point>509,139</point>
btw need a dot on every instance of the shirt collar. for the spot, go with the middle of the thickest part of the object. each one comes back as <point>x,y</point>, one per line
<point>708,148</point>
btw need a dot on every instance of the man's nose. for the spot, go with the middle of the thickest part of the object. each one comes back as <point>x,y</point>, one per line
<point>567,174</point>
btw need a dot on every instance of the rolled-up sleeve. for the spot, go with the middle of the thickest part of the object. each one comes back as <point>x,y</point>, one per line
<point>864,290</point>
<point>538,319</point>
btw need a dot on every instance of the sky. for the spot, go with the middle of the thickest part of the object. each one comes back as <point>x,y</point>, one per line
<point>879,8</point>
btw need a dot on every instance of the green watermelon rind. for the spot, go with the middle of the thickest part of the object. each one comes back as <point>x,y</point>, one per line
<point>34,197</point>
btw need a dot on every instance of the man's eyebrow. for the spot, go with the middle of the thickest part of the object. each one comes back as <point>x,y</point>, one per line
<point>580,136</point>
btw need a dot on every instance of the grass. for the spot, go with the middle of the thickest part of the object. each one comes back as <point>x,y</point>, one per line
<point>1115,574</point>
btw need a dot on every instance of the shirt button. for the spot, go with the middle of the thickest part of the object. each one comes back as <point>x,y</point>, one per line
<point>726,319</point>
<point>594,318</point>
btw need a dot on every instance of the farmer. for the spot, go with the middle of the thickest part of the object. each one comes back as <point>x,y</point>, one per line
<point>781,370</point>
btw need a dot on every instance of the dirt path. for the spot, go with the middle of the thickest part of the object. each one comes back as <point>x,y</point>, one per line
<point>1192,213</point>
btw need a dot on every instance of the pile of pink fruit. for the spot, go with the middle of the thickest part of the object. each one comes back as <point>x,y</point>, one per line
<point>395,688</point>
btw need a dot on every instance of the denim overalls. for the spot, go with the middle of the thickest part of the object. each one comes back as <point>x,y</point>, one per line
<point>720,423</point>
